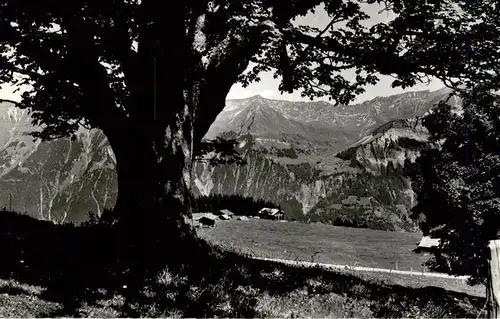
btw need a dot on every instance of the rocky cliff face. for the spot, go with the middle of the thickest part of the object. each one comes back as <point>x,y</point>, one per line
<point>57,180</point>
<point>308,157</point>
<point>386,149</point>
<point>378,195</point>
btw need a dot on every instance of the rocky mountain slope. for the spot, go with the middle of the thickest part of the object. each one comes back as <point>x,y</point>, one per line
<point>366,187</point>
<point>362,160</point>
<point>308,157</point>
<point>57,180</point>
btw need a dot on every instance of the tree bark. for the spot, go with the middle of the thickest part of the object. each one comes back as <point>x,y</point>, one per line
<point>493,285</point>
<point>153,165</point>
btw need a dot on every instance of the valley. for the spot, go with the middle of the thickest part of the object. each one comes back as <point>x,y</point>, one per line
<point>307,157</point>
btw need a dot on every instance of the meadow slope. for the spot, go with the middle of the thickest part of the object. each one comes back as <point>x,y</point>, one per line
<point>319,243</point>
<point>329,244</point>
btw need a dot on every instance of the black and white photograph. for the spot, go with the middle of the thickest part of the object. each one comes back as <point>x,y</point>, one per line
<point>249,159</point>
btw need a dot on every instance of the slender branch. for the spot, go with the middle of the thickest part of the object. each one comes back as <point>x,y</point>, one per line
<point>334,66</point>
<point>82,124</point>
<point>317,86</point>
<point>319,35</point>
<point>263,63</point>
<point>10,101</point>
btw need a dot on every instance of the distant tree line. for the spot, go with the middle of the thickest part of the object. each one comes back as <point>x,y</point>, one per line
<point>237,204</point>
<point>349,223</point>
<point>338,221</point>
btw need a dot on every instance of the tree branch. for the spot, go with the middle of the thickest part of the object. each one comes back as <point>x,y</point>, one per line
<point>10,101</point>
<point>12,68</point>
<point>318,36</point>
<point>127,57</point>
<point>221,74</point>
<point>253,60</point>
<point>385,62</point>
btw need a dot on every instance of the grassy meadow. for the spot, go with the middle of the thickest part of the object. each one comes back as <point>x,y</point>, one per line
<point>319,243</point>
<point>335,245</point>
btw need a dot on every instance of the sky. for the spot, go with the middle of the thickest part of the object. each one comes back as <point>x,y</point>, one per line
<point>268,87</point>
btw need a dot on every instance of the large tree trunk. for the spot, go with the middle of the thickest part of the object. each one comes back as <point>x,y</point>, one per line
<point>153,165</point>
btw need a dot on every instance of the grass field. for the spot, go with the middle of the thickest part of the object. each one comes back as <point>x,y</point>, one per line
<point>319,243</point>
<point>336,245</point>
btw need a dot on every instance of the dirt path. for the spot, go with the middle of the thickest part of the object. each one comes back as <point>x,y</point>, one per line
<point>366,269</point>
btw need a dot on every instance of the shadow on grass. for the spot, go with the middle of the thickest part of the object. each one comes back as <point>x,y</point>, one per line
<point>386,300</point>
<point>77,266</point>
<point>14,291</point>
<point>67,261</point>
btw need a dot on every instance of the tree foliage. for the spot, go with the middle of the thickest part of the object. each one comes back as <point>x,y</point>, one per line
<point>219,151</point>
<point>88,62</point>
<point>453,40</point>
<point>458,182</point>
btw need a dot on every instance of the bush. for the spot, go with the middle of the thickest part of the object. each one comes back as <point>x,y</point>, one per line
<point>107,219</point>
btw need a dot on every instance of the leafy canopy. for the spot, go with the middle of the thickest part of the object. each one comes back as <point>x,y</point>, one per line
<point>88,62</point>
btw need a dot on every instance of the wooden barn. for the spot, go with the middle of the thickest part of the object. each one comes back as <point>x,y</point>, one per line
<point>272,213</point>
<point>207,221</point>
<point>204,219</point>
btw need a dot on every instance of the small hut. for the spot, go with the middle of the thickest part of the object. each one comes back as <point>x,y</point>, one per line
<point>226,212</point>
<point>204,219</point>
<point>427,244</point>
<point>207,221</point>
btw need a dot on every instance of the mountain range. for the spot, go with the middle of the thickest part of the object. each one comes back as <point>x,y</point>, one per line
<point>319,162</point>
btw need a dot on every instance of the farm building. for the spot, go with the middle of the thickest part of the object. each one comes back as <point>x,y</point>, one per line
<point>207,221</point>
<point>204,219</point>
<point>226,212</point>
<point>272,213</point>
<point>427,244</point>
<point>242,218</point>
<point>225,217</point>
